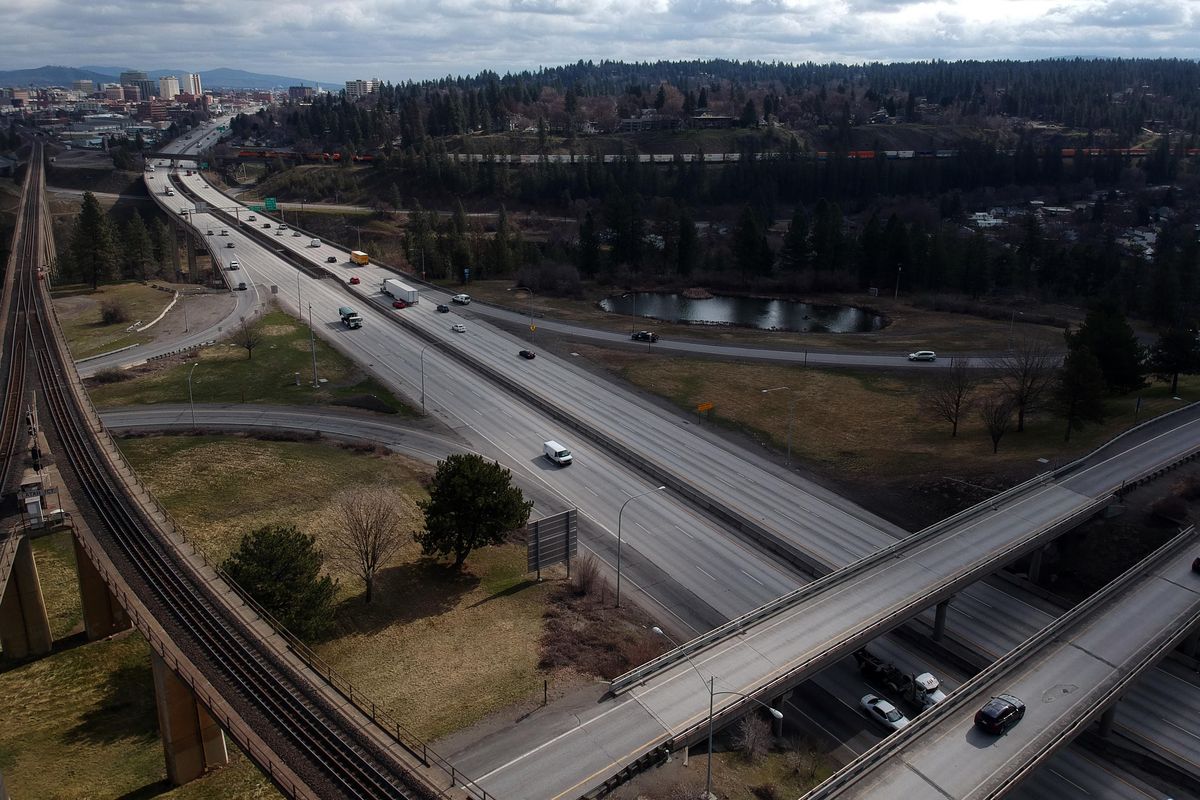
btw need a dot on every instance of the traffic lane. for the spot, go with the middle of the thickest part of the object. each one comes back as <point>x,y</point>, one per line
<point>1072,773</point>
<point>1170,439</point>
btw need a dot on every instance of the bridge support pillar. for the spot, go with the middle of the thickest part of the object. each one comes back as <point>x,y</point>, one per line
<point>102,614</point>
<point>192,740</point>
<point>1035,565</point>
<point>24,626</point>
<point>939,619</point>
<point>1191,644</point>
<point>777,724</point>
<point>1106,721</point>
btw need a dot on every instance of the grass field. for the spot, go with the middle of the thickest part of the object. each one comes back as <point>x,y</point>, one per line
<point>79,313</point>
<point>465,644</point>
<point>869,425</point>
<point>226,375</point>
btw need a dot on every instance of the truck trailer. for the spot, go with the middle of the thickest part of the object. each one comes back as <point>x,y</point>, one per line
<point>922,691</point>
<point>400,291</point>
<point>360,258</point>
<point>350,317</point>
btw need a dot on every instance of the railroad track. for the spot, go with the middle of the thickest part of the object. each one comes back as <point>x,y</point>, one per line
<point>320,745</point>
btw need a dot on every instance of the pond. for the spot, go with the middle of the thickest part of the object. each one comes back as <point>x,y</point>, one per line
<point>749,312</point>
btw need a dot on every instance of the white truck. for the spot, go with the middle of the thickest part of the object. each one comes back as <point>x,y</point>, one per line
<point>556,453</point>
<point>401,291</point>
<point>350,317</point>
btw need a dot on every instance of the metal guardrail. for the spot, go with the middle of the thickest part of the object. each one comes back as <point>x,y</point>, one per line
<point>969,691</point>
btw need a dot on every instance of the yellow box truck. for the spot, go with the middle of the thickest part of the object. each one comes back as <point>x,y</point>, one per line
<point>360,258</point>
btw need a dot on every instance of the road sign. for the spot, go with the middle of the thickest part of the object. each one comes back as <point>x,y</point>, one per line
<point>532,327</point>
<point>704,407</point>
<point>203,165</point>
<point>552,540</point>
<point>270,204</point>
<point>255,208</point>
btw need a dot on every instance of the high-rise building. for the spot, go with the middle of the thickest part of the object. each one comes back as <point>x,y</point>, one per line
<point>131,77</point>
<point>114,91</point>
<point>85,86</point>
<point>146,88</point>
<point>191,84</point>
<point>168,87</point>
<point>360,88</point>
<point>301,92</point>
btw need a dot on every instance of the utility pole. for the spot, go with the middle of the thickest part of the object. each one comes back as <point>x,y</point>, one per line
<point>312,339</point>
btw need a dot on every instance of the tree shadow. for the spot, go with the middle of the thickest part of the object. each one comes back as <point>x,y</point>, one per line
<point>404,593</point>
<point>124,710</point>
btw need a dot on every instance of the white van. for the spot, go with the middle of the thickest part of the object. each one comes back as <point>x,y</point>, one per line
<point>315,243</point>
<point>557,453</point>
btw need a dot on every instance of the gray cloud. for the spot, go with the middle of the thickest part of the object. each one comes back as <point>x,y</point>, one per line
<point>402,39</point>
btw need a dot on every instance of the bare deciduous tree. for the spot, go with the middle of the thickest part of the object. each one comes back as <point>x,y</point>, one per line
<point>753,737</point>
<point>949,393</point>
<point>1026,374</point>
<point>370,532</point>
<point>248,337</point>
<point>996,412</point>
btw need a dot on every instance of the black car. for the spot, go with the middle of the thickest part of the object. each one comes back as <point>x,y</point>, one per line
<point>445,309</point>
<point>1001,714</point>
<point>527,354</point>
<point>331,260</point>
<point>645,336</point>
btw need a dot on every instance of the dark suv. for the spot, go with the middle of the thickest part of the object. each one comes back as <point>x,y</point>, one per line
<point>1001,714</point>
<point>645,336</point>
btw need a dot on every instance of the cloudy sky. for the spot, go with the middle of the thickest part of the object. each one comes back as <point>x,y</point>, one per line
<point>399,39</point>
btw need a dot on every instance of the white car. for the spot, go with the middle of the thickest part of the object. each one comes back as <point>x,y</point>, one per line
<point>233,264</point>
<point>461,299</point>
<point>458,328</point>
<point>251,218</point>
<point>883,712</point>
<point>923,355</point>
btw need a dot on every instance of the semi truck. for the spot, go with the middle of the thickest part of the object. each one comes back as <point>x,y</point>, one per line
<point>350,317</point>
<point>360,258</point>
<point>401,291</point>
<point>923,691</point>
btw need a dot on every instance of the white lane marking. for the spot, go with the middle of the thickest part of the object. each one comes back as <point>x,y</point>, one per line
<point>593,491</point>
<point>1178,727</point>
<point>705,572</point>
<point>1064,779</point>
<point>685,533</point>
<point>751,577</point>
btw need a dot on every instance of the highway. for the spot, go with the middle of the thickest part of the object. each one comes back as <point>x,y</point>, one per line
<point>402,363</point>
<point>1065,676</point>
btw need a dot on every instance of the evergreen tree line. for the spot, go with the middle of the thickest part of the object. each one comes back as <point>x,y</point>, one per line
<point>1115,95</point>
<point>100,250</point>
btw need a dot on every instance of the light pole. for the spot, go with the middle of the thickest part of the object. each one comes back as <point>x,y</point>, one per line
<point>312,340</point>
<point>302,202</point>
<point>619,513</point>
<point>791,415</point>
<point>710,684</point>
<point>529,309</point>
<point>1012,320</point>
<point>190,403</point>
<point>423,349</point>
<point>897,294</point>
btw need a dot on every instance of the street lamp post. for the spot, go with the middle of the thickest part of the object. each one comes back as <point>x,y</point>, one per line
<point>1012,320</point>
<point>191,404</point>
<point>619,513</point>
<point>302,202</point>
<point>312,340</point>
<point>897,294</point>
<point>791,416</point>
<point>710,684</point>
<point>423,349</point>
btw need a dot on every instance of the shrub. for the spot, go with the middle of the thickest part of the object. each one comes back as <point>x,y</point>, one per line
<point>112,375</point>
<point>585,576</point>
<point>113,311</point>
<point>1170,508</point>
<point>1188,488</point>
<point>766,791</point>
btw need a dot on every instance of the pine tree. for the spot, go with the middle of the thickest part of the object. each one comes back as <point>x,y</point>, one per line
<point>1079,393</point>
<point>687,251</point>
<point>750,249</point>
<point>138,250</point>
<point>93,247</point>
<point>794,255</point>
<point>589,247</point>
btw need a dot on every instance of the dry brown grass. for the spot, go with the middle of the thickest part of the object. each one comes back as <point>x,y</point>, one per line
<point>437,649</point>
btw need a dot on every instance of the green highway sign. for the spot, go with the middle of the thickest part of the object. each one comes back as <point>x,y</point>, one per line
<point>270,204</point>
